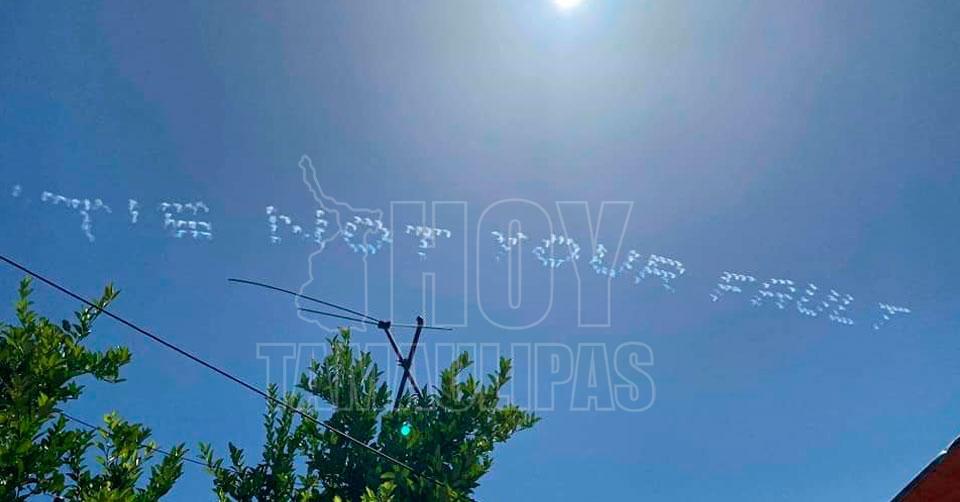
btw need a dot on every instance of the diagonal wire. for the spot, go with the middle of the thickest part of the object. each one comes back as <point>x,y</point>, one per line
<point>294,293</point>
<point>338,316</point>
<point>305,415</point>
<point>372,320</point>
<point>161,451</point>
<point>439,328</point>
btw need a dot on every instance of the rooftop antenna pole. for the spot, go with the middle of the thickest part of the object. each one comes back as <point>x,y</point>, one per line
<point>407,363</point>
<point>362,318</point>
<point>404,363</point>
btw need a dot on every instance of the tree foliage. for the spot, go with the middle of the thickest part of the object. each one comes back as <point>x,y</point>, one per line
<point>453,431</point>
<point>40,363</point>
<point>449,434</point>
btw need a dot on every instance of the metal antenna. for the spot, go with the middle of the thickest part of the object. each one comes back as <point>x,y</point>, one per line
<point>385,326</point>
<point>406,365</point>
<point>289,292</point>
<point>305,415</point>
<point>374,320</point>
<point>404,362</point>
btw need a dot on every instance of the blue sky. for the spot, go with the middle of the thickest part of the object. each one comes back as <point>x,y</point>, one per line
<point>813,141</point>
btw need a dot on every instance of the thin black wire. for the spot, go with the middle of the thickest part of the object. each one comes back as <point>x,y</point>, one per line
<point>154,448</point>
<point>231,377</point>
<point>289,292</point>
<point>370,320</point>
<point>439,328</point>
<point>338,316</point>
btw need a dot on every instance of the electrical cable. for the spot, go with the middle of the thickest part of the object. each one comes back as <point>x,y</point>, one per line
<point>231,377</point>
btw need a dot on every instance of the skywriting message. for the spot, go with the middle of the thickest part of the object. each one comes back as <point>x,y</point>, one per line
<point>367,232</point>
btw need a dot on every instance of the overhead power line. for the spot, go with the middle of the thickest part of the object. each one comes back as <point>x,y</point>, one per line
<point>237,380</point>
<point>165,453</point>
<point>161,451</point>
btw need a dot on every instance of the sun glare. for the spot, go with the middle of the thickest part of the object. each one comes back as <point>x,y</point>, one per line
<point>566,5</point>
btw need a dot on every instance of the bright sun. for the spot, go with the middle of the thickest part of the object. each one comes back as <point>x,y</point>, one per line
<point>567,4</point>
